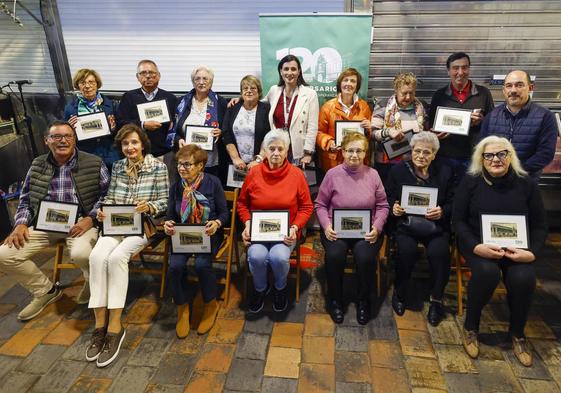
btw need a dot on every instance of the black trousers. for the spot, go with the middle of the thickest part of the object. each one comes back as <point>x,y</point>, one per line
<point>520,283</point>
<point>364,254</point>
<point>438,255</point>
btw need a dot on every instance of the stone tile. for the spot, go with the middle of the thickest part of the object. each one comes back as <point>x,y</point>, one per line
<point>231,312</point>
<point>279,385</point>
<point>16,294</point>
<point>190,345</point>
<point>537,371</point>
<point>352,367</point>
<point>66,332</point>
<point>262,325</point>
<point>416,343</point>
<point>424,373</point>
<point>9,325</point>
<point>316,378</point>
<point>350,338</point>
<point>555,372</point>
<point>382,329</point>
<point>207,382</point>
<point>215,358</point>
<point>350,387</point>
<point>155,388</point>
<point>282,362</point>
<point>23,342</point>
<point>453,359</point>
<point>497,376</point>
<point>132,380</point>
<point>549,351</point>
<point>17,382</point>
<point>245,374</point>
<point>427,390</point>
<point>77,351</point>
<point>537,386</point>
<point>447,332</point>
<point>385,354</point>
<point>135,334</point>
<point>225,331</point>
<point>7,364</point>
<point>537,328</point>
<point>319,325</point>
<point>287,334</point>
<point>60,377</point>
<point>162,328</point>
<point>41,359</point>
<point>315,303</point>
<point>149,352</point>
<point>252,346</point>
<point>463,383</point>
<point>5,309</point>
<point>118,364</point>
<point>411,320</point>
<point>174,369</point>
<point>142,312</point>
<point>318,350</point>
<point>90,385</point>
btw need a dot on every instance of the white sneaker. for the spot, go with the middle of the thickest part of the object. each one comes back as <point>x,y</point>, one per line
<point>37,305</point>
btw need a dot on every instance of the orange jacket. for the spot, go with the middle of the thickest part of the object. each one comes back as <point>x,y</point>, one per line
<point>329,112</point>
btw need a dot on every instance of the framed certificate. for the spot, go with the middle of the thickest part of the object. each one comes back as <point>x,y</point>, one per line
<point>199,135</point>
<point>269,225</point>
<point>352,223</point>
<point>452,120</point>
<point>418,199</point>
<point>122,220</point>
<point>153,111</point>
<point>343,127</point>
<point>395,148</point>
<point>504,230</point>
<point>56,216</point>
<point>190,239</point>
<point>236,177</point>
<point>92,125</point>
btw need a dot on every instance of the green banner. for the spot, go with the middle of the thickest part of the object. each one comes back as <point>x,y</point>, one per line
<point>325,45</point>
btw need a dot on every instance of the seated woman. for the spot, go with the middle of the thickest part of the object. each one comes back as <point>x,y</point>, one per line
<point>275,184</point>
<point>497,184</point>
<point>346,106</point>
<point>351,185</point>
<point>402,112</point>
<point>433,230</point>
<point>197,199</point>
<point>245,125</point>
<point>138,179</point>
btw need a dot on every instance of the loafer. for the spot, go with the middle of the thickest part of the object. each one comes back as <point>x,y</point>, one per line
<point>96,344</point>
<point>363,312</point>
<point>336,312</point>
<point>111,347</point>
<point>280,300</point>
<point>522,351</point>
<point>470,343</point>
<point>38,304</point>
<point>436,313</point>
<point>398,305</point>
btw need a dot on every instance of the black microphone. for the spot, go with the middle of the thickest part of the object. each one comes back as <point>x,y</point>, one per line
<point>21,82</point>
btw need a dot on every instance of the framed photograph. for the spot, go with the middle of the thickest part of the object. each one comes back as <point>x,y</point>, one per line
<point>352,223</point>
<point>56,216</point>
<point>122,220</point>
<point>153,111</point>
<point>395,148</point>
<point>92,125</point>
<point>418,199</point>
<point>343,127</point>
<point>190,239</point>
<point>236,177</point>
<point>199,135</point>
<point>504,230</point>
<point>452,120</point>
<point>269,225</point>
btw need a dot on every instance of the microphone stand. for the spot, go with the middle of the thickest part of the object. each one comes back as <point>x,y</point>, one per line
<point>28,123</point>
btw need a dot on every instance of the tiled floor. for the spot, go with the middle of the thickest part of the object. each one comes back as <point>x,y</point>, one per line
<point>298,351</point>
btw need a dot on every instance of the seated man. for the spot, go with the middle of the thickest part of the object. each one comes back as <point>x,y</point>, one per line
<point>65,175</point>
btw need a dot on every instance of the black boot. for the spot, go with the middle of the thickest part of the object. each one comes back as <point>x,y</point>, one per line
<point>363,312</point>
<point>280,300</point>
<point>336,312</point>
<point>398,305</point>
<point>436,312</point>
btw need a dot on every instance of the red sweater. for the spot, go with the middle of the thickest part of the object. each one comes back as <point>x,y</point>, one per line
<point>284,188</point>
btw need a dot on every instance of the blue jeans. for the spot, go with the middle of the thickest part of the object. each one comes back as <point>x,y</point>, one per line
<point>276,255</point>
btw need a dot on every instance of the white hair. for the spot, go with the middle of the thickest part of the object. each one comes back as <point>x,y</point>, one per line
<point>425,137</point>
<point>476,166</point>
<point>202,67</point>
<point>276,135</point>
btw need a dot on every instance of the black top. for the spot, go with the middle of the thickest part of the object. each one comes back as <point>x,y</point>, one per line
<point>507,195</point>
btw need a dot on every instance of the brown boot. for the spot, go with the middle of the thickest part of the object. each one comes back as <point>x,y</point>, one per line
<point>209,316</point>
<point>182,326</point>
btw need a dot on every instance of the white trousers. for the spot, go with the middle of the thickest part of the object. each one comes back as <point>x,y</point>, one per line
<point>109,269</point>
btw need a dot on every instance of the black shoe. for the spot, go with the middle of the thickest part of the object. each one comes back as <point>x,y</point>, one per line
<point>280,301</point>
<point>258,300</point>
<point>436,313</point>
<point>397,305</point>
<point>335,310</point>
<point>96,344</point>
<point>363,312</point>
<point>111,347</point>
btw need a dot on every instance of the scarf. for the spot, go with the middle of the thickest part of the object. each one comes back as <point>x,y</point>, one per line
<point>133,167</point>
<point>195,207</point>
<point>392,117</point>
<point>211,118</point>
<point>85,106</point>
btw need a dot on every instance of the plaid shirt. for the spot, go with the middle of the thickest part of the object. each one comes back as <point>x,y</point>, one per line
<point>152,185</point>
<point>61,189</point>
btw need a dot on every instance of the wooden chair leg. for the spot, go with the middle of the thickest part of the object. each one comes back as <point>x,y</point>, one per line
<point>58,260</point>
<point>459,283</point>
<point>298,274</point>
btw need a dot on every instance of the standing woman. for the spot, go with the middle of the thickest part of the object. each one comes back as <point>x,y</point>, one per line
<point>198,198</point>
<point>89,100</point>
<point>346,106</point>
<point>202,107</point>
<point>138,179</point>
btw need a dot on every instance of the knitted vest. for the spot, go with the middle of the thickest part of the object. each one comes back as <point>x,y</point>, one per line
<point>85,176</point>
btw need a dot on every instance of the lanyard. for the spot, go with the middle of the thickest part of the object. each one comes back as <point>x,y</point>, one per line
<point>288,110</point>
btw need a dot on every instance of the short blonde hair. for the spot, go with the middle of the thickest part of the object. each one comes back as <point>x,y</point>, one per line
<point>82,74</point>
<point>404,78</point>
<point>353,137</point>
<point>202,68</point>
<point>476,165</point>
<point>252,80</point>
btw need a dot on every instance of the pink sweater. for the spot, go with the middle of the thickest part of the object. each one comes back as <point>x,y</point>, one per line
<point>347,188</point>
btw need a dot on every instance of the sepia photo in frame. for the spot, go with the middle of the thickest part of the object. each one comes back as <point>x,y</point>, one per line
<point>199,135</point>
<point>351,223</point>
<point>504,230</point>
<point>269,225</point>
<point>417,199</point>
<point>395,148</point>
<point>190,239</point>
<point>92,125</point>
<point>122,220</point>
<point>236,177</point>
<point>153,111</point>
<point>342,127</point>
<point>452,120</point>
<point>56,216</point>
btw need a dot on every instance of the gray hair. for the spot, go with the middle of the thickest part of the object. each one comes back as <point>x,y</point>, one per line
<point>425,137</point>
<point>202,67</point>
<point>476,166</point>
<point>147,61</point>
<point>276,135</point>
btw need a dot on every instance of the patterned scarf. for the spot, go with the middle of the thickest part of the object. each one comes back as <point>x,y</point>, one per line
<point>211,118</point>
<point>85,106</point>
<point>133,167</point>
<point>195,207</point>
<point>392,118</point>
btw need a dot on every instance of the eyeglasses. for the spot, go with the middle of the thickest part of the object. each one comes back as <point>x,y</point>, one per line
<point>355,151</point>
<point>249,88</point>
<point>420,152</point>
<point>186,165</point>
<point>58,137</point>
<point>501,155</point>
<point>87,83</point>
<point>147,73</point>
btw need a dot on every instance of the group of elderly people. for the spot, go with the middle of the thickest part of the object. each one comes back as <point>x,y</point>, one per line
<point>272,138</point>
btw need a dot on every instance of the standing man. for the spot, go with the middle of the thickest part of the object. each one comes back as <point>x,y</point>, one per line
<point>64,175</point>
<point>530,128</point>
<point>463,93</point>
